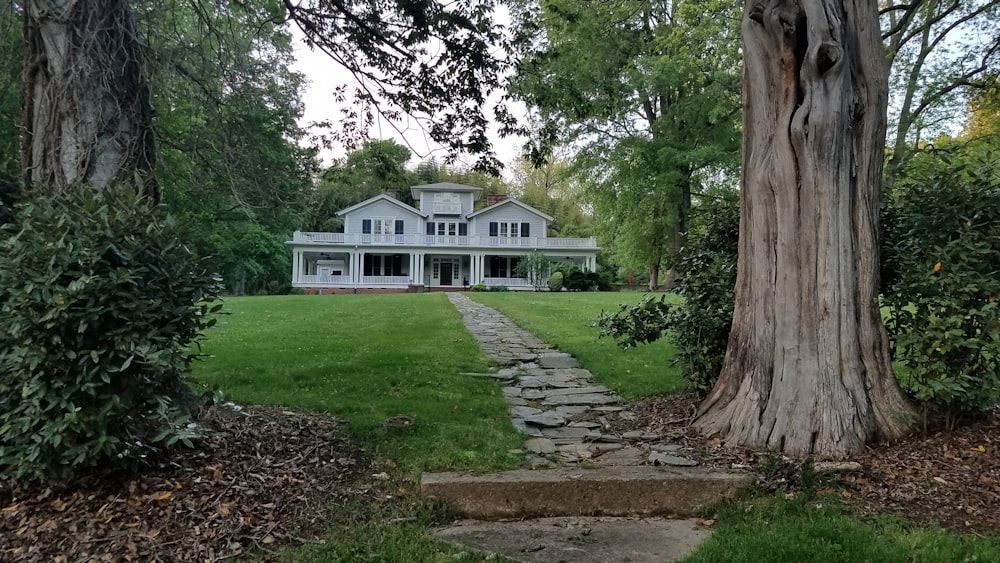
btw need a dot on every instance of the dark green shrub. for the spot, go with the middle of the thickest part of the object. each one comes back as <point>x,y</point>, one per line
<point>943,249</point>
<point>555,282</point>
<point>478,287</point>
<point>498,288</point>
<point>101,304</point>
<point>699,326</point>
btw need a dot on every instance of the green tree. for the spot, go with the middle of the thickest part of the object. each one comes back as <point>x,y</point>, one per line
<point>647,92</point>
<point>552,189</point>
<point>941,53</point>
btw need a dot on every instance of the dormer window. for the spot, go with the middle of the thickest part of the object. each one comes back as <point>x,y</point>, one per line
<point>446,203</point>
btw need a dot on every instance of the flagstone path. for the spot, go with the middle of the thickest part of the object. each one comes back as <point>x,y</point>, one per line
<point>553,400</point>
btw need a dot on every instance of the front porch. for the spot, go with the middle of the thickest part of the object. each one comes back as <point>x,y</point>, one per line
<point>383,269</point>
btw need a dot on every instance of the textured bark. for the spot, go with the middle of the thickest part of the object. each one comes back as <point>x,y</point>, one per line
<point>87,111</point>
<point>807,370</point>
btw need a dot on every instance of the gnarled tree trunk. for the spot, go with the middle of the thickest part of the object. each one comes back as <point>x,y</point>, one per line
<point>807,370</point>
<point>87,110</point>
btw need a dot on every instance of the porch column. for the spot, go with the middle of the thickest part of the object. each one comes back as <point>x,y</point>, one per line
<point>296,257</point>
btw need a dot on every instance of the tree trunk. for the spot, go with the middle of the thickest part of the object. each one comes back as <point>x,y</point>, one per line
<point>88,117</point>
<point>807,370</point>
<point>654,276</point>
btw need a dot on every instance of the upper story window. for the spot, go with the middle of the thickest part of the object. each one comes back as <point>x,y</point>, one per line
<point>510,229</point>
<point>446,203</point>
<point>382,226</point>
<point>448,228</point>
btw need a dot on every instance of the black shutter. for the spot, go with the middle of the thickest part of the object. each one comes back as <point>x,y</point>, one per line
<point>430,228</point>
<point>463,229</point>
<point>525,230</point>
<point>494,229</point>
<point>399,226</point>
<point>368,265</point>
<point>366,229</point>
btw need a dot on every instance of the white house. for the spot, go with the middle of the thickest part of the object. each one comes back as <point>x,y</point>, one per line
<point>388,245</point>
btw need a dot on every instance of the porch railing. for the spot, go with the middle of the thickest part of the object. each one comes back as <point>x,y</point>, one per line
<point>324,280</point>
<point>433,240</point>
<point>508,282</point>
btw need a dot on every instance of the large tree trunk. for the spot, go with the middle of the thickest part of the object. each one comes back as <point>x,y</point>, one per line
<point>807,370</point>
<point>87,111</point>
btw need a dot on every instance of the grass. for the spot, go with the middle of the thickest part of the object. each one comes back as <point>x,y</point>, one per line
<point>778,529</point>
<point>563,320</point>
<point>366,359</point>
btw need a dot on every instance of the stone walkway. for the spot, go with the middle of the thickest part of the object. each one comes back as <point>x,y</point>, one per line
<point>554,402</point>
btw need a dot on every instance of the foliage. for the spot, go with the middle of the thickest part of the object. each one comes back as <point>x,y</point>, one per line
<point>551,189</point>
<point>432,60</point>
<point>479,287</point>
<point>944,250</point>
<point>499,289</point>
<point>699,326</point>
<point>941,54</point>
<point>102,302</point>
<point>575,279</point>
<point>534,267</point>
<point>555,282</point>
<point>647,95</point>
<point>10,105</point>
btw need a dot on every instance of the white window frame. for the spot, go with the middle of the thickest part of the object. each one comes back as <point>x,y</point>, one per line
<point>383,225</point>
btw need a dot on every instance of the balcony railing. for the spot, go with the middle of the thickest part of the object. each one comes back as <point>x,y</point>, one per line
<point>447,208</point>
<point>433,240</point>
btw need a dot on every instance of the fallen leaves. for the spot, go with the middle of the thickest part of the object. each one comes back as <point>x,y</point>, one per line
<point>265,474</point>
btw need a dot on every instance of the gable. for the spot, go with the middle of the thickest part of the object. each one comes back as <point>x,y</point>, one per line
<point>510,208</point>
<point>382,200</point>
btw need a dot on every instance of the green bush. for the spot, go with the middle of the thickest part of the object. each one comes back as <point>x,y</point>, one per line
<point>555,282</point>
<point>943,248</point>
<point>698,327</point>
<point>101,304</point>
<point>479,287</point>
<point>498,288</point>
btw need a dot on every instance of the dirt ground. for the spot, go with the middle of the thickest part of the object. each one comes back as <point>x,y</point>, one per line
<point>271,478</point>
<point>947,478</point>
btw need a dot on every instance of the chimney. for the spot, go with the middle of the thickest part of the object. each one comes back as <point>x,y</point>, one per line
<point>494,199</point>
<point>391,193</point>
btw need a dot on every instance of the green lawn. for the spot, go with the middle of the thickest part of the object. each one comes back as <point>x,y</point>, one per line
<point>563,320</point>
<point>366,358</point>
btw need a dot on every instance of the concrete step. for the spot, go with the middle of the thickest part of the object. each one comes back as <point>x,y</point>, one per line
<point>580,539</point>
<point>606,491</point>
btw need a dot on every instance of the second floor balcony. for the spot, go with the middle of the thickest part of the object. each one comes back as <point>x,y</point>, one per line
<point>416,240</point>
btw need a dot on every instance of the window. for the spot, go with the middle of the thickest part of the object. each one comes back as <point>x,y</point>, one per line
<point>452,229</point>
<point>510,229</point>
<point>383,225</point>
<point>441,228</point>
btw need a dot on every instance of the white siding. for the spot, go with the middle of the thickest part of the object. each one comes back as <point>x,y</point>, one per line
<point>412,224</point>
<point>508,213</point>
<point>427,203</point>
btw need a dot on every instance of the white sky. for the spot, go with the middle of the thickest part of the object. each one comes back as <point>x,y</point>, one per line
<point>324,76</point>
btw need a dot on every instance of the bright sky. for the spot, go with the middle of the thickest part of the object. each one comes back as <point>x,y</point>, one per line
<point>324,76</point>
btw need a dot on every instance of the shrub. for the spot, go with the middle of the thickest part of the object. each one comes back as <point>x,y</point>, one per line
<point>555,282</point>
<point>943,248</point>
<point>498,288</point>
<point>478,287</point>
<point>100,305</point>
<point>699,326</point>
<point>535,268</point>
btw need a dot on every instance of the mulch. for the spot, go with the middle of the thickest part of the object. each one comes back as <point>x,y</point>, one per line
<point>267,478</point>
<point>950,479</point>
<point>270,478</point>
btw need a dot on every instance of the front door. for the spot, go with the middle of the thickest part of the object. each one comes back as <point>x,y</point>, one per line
<point>446,273</point>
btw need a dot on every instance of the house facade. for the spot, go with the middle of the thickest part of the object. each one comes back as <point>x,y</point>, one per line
<point>445,244</point>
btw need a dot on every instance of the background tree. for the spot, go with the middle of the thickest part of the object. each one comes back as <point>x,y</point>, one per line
<point>552,189</point>
<point>941,52</point>
<point>807,369</point>
<point>10,108</point>
<point>646,93</point>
